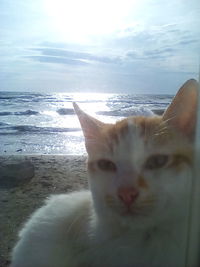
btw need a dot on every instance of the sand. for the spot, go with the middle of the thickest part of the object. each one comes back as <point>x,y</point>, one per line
<point>53,174</point>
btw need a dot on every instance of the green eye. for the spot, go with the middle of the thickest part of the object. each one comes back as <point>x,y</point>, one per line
<point>106,165</point>
<point>156,162</point>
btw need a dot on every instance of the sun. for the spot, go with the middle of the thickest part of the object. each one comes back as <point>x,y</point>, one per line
<point>78,19</point>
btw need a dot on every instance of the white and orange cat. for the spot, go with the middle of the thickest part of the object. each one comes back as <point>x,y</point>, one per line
<point>135,214</point>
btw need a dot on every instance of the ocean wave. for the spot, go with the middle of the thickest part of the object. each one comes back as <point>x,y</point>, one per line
<point>158,111</point>
<point>65,111</point>
<point>19,113</point>
<point>21,129</point>
<point>126,112</point>
<point>19,95</point>
<point>5,113</point>
<point>16,97</point>
<point>3,124</point>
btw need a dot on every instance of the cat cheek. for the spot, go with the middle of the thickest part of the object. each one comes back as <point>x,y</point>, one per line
<point>91,167</point>
<point>109,200</point>
<point>142,183</point>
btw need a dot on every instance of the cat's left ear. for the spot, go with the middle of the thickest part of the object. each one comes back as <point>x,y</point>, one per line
<point>91,127</point>
<point>182,112</point>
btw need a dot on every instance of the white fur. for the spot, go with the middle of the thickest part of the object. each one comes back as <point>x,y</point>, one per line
<point>80,230</point>
<point>77,230</point>
<point>66,232</point>
<point>95,230</point>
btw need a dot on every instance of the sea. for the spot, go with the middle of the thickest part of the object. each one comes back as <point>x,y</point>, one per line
<point>45,123</point>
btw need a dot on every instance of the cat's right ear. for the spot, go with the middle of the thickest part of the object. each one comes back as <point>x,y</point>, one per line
<point>182,112</point>
<point>91,127</point>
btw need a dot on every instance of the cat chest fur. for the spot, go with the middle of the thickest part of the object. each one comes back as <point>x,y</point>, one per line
<point>108,244</point>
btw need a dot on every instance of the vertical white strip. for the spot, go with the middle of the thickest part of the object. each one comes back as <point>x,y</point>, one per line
<point>193,246</point>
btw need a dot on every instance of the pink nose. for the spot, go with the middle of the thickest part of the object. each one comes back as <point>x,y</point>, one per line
<point>128,195</point>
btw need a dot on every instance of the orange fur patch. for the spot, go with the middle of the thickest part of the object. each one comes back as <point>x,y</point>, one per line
<point>91,166</point>
<point>109,199</point>
<point>152,129</point>
<point>179,160</point>
<point>142,183</point>
<point>148,127</point>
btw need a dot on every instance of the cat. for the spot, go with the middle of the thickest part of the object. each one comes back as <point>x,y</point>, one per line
<point>135,213</point>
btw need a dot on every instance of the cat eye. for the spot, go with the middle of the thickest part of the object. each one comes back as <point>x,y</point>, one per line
<point>106,165</point>
<point>156,162</point>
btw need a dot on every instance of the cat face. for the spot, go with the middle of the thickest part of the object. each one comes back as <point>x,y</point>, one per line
<point>139,168</point>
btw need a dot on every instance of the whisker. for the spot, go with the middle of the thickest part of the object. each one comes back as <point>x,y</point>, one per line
<point>169,119</point>
<point>148,198</point>
<point>142,208</point>
<point>163,126</point>
<point>159,134</point>
<point>161,129</point>
<point>139,212</point>
<point>110,202</point>
<point>145,203</point>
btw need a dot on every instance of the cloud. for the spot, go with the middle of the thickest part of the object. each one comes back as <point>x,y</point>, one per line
<point>159,53</point>
<point>163,47</point>
<point>58,60</point>
<point>62,56</point>
<point>153,37</point>
<point>189,41</point>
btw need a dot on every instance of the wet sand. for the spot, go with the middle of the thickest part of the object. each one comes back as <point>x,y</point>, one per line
<point>53,174</point>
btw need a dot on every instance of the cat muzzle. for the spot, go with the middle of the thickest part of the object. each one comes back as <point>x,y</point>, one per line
<point>128,195</point>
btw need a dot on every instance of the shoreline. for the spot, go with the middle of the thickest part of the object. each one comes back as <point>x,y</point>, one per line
<point>52,174</point>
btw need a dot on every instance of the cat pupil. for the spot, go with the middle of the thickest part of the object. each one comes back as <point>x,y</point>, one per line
<point>156,161</point>
<point>106,165</point>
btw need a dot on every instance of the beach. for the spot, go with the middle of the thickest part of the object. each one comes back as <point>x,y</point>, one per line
<point>20,196</point>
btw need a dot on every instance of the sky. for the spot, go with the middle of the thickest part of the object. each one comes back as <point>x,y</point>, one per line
<point>112,46</point>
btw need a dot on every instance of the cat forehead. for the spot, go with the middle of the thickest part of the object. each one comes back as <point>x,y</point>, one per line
<point>144,135</point>
<point>133,133</point>
<point>141,126</point>
<point>135,138</point>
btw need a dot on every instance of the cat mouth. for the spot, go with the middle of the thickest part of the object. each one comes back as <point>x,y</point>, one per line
<point>129,212</point>
<point>141,209</point>
<point>136,212</point>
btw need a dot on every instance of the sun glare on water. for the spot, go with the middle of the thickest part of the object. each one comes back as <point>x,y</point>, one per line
<point>78,19</point>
